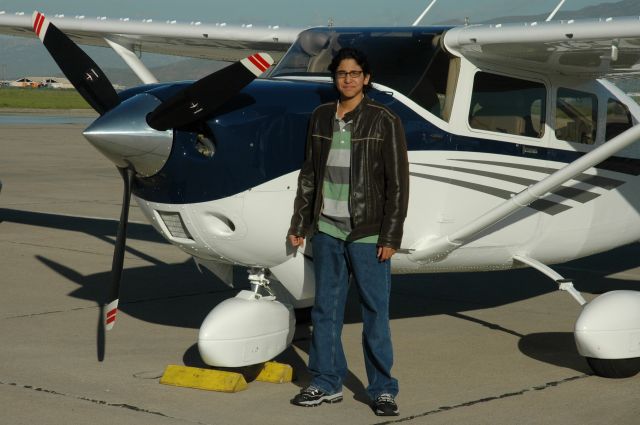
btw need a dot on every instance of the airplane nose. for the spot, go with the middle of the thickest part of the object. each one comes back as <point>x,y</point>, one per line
<point>124,137</point>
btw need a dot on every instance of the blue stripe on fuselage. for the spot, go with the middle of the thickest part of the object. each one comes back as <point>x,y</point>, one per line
<point>261,133</point>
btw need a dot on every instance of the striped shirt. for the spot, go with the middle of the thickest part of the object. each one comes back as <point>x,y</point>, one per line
<point>335,219</point>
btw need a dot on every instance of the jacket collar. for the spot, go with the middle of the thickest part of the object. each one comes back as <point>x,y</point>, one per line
<point>351,115</point>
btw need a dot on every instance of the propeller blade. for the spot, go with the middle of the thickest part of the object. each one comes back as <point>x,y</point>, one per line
<point>100,338</point>
<point>92,84</point>
<point>206,95</point>
<point>118,252</point>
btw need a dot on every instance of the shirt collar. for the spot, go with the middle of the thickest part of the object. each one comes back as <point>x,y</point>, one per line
<point>351,114</point>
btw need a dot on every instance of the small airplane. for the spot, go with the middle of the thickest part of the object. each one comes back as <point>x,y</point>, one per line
<point>521,155</point>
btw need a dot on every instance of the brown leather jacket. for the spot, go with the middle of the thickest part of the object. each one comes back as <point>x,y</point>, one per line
<point>379,181</point>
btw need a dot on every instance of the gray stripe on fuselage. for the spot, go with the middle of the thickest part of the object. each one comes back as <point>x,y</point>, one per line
<point>543,205</point>
<point>582,196</point>
<point>598,181</point>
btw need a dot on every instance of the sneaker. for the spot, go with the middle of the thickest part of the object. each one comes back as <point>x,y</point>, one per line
<point>312,396</point>
<point>385,405</point>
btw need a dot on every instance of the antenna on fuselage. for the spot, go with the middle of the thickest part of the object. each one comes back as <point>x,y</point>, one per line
<point>423,13</point>
<point>555,10</point>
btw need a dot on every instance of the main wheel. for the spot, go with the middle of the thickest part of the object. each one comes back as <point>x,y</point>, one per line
<point>615,368</point>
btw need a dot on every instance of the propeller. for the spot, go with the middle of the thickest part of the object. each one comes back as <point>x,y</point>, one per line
<point>87,77</point>
<point>193,104</point>
<point>203,97</point>
<point>118,252</point>
<point>94,86</point>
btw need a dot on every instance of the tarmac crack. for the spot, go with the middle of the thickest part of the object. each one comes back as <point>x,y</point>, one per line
<point>99,402</point>
<point>487,399</point>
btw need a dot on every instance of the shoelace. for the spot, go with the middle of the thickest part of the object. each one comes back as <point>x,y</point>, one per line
<point>312,390</point>
<point>385,398</point>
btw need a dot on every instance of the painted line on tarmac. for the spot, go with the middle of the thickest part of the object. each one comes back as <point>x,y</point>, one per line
<point>486,399</point>
<point>98,402</point>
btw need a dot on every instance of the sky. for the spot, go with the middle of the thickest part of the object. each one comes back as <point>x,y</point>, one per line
<point>34,60</point>
<point>295,12</point>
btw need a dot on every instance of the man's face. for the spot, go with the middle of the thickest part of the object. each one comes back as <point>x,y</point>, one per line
<point>349,79</point>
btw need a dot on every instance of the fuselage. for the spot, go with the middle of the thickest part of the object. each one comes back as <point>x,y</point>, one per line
<point>234,206</point>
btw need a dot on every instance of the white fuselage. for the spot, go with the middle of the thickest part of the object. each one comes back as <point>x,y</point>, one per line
<point>448,189</point>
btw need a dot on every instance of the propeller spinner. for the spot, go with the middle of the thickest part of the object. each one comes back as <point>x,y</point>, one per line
<point>112,133</point>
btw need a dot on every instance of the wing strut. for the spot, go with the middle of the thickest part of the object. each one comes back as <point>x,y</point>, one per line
<point>422,15</point>
<point>134,62</point>
<point>436,249</point>
<point>550,17</point>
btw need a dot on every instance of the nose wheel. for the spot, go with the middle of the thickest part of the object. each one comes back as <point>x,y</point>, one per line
<point>248,329</point>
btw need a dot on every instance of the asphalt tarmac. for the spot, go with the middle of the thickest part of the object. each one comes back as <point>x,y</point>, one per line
<point>475,348</point>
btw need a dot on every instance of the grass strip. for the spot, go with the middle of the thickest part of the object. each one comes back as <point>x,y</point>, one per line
<point>41,98</point>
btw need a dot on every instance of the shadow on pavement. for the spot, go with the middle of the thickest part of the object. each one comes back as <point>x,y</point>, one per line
<point>178,295</point>
<point>556,348</point>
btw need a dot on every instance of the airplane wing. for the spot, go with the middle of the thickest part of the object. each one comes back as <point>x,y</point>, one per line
<point>198,40</point>
<point>583,49</point>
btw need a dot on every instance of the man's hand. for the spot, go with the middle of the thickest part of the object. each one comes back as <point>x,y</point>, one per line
<point>296,241</point>
<point>385,253</point>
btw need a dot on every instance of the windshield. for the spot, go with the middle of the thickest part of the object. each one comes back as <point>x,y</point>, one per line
<point>408,60</point>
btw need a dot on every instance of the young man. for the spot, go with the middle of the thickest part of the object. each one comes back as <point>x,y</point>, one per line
<point>352,197</point>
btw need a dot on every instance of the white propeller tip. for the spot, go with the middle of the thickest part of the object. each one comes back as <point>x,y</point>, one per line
<point>111,311</point>
<point>257,63</point>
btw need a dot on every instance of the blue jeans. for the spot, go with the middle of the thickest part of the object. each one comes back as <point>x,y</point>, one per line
<point>334,259</point>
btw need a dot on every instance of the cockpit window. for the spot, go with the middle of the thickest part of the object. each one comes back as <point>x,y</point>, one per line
<point>508,105</point>
<point>409,60</point>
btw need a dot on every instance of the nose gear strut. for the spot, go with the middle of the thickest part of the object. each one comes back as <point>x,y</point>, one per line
<point>258,280</point>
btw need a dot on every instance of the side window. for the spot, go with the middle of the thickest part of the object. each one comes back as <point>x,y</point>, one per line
<point>576,116</point>
<point>618,119</point>
<point>507,105</point>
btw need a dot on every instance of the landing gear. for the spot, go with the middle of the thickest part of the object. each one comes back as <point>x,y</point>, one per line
<point>607,331</point>
<point>247,329</point>
<point>608,334</point>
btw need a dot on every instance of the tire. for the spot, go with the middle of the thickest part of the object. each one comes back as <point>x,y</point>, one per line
<point>615,368</point>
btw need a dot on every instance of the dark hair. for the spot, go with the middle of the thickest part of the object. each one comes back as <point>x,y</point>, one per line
<point>356,55</point>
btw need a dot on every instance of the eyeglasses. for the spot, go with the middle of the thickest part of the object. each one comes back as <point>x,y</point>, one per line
<point>343,74</point>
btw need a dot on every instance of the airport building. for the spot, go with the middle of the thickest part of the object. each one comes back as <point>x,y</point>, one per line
<point>37,82</point>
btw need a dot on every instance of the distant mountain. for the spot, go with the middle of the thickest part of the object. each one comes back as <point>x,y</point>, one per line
<point>603,10</point>
<point>26,56</point>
